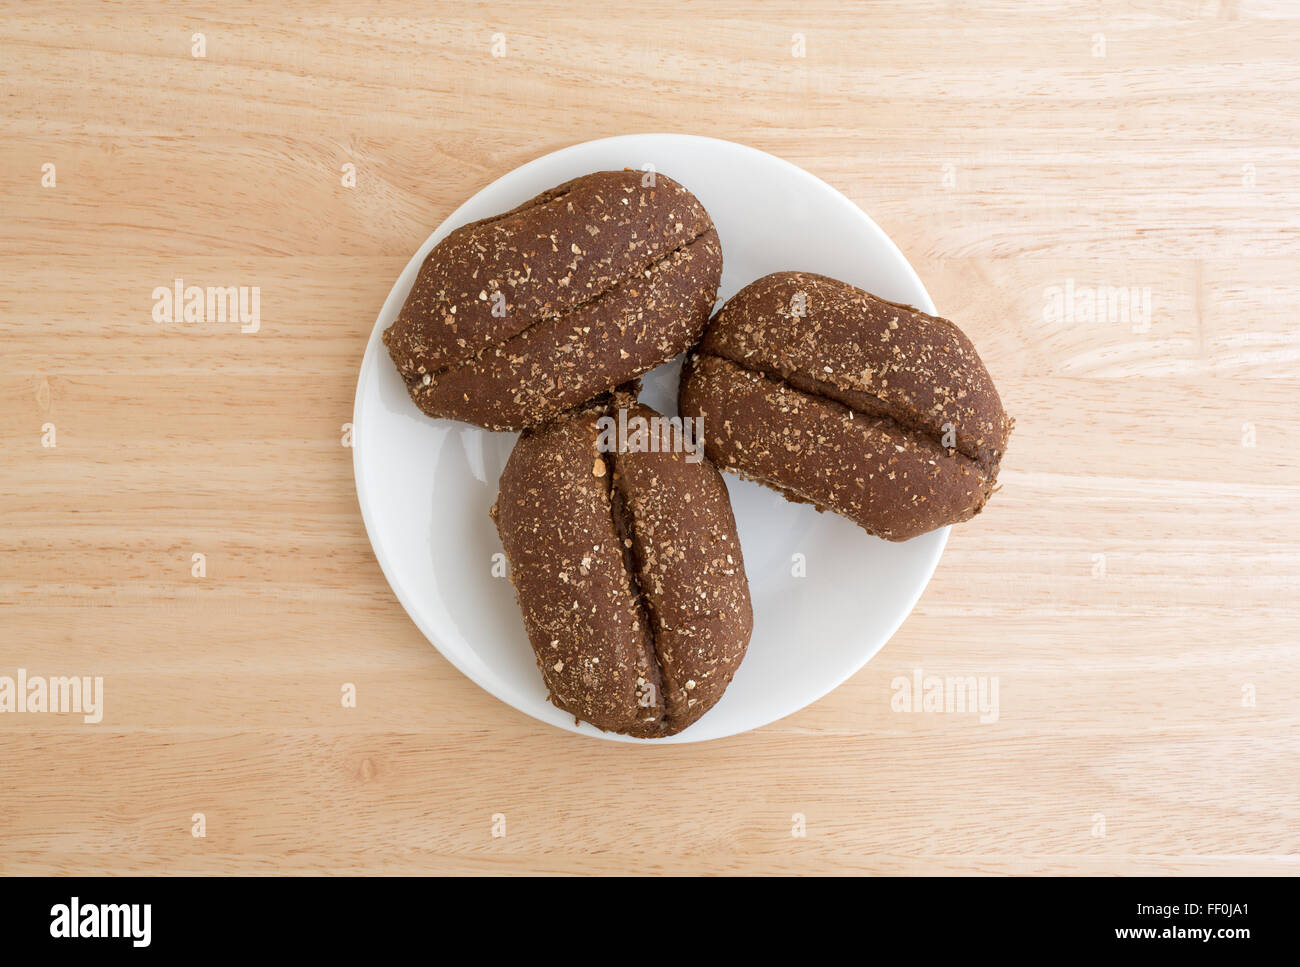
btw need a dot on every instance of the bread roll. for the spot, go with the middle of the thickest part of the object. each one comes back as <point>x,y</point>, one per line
<point>517,318</point>
<point>627,569</point>
<point>872,409</point>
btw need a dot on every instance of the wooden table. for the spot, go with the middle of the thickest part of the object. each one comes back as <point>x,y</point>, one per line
<point>1133,588</point>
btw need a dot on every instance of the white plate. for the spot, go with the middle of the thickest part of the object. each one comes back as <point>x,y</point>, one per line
<point>425,485</point>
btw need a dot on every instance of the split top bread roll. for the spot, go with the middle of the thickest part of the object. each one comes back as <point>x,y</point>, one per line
<point>516,318</point>
<point>875,410</point>
<point>625,561</point>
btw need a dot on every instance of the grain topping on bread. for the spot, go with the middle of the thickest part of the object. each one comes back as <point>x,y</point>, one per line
<point>873,409</point>
<point>515,318</point>
<point>627,570</point>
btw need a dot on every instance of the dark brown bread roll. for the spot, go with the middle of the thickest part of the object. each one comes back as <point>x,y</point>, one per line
<point>514,319</point>
<point>627,569</point>
<point>875,410</point>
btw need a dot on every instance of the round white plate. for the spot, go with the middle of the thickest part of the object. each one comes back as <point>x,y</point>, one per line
<point>425,485</point>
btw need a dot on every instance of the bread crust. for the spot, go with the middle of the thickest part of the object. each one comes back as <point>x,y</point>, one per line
<point>580,606</point>
<point>563,361</point>
<point>689,568</point>
<point>513,319</point>
<point>627,569</point>
<point>872,409</point>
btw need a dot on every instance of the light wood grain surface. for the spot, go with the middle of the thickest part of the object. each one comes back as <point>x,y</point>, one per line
<point>1133,588</point>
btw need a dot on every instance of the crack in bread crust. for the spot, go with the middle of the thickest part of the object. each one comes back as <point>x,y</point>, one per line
<point>689,564</point>
<point>627,570</point>
<point>625,527</point>
<point>878,357</point>
<point>415,380</point>
<point>562,361</point>
<point>537,201</point>
<point>815,389</point>
<point>571,582</point>
<point>554,252</point>
<point>892,481</point>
